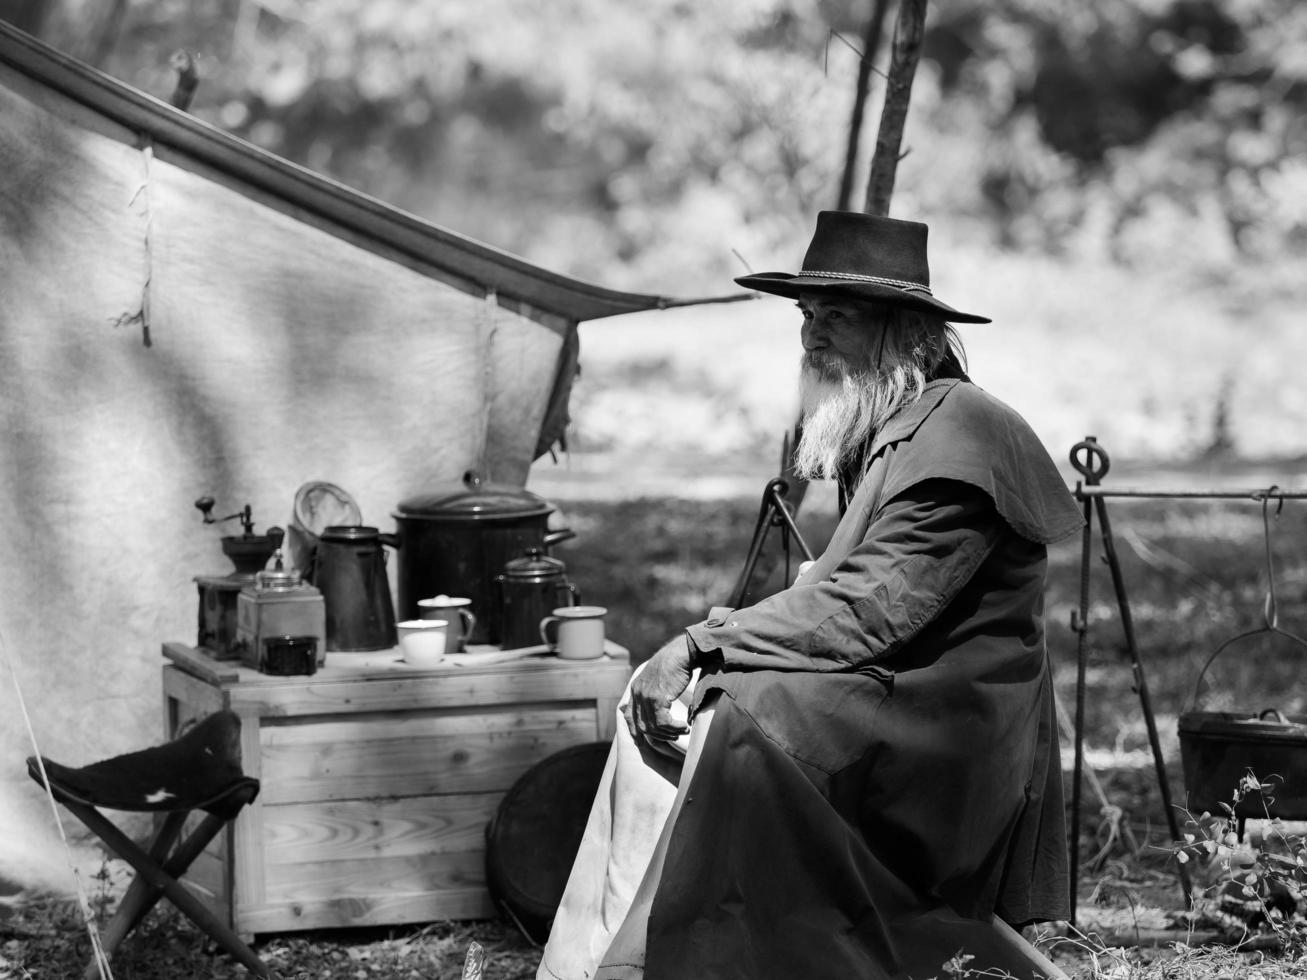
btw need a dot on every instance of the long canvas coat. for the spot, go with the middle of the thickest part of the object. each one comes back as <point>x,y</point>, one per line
<point>884,756</point>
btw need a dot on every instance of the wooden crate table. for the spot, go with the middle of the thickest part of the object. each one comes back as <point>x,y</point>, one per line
<point>378,779</point>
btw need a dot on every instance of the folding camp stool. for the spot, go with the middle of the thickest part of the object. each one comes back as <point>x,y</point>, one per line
<point>199,770</point>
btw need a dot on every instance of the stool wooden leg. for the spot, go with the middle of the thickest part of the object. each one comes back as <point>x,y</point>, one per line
<point>155,875</point>
<point>141,896</point>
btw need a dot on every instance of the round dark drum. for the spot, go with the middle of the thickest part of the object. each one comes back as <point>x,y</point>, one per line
<point>534,836</point>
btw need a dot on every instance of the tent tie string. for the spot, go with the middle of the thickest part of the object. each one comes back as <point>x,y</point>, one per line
<point>142,315</point>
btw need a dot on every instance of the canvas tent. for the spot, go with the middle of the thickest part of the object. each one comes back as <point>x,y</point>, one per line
<point>183,314</point>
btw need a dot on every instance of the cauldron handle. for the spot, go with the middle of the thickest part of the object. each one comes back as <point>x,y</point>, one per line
<point>1270,609</point>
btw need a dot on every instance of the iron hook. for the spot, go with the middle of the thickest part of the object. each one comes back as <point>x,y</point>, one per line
<point>1095,464</point>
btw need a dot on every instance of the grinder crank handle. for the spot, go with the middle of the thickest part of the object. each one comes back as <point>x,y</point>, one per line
<point>1095,462</point>
<point>205,506</point>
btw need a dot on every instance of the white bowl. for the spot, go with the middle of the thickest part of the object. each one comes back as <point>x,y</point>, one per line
<point>422,641</point>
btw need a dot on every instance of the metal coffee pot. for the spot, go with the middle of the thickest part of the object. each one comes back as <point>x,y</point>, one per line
<point>530,588</point>
<point>349,568</point>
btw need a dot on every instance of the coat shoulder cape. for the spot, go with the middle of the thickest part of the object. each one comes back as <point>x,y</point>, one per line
<point>977,439</point>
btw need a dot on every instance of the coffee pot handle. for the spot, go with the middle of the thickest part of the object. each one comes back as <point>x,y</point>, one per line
<point>558,537</point>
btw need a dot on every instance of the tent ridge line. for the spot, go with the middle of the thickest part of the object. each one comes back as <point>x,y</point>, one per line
<point>166,126</point>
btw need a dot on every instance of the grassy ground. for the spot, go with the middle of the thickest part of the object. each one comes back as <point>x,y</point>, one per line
<point>1195,576</point>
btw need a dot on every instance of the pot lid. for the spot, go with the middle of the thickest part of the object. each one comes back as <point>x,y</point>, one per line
<point>535,564</point>
<point>472,499</point>
<point>1265,725</point>
<point>341,533</point>
<point>278,579</point>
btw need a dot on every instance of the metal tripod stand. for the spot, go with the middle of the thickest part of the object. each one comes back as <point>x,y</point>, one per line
<point>1092,462</point>
<point>772,513</point>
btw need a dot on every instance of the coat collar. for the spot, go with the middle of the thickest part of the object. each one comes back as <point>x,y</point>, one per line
<point>905,423</point>
<point>901,426</point>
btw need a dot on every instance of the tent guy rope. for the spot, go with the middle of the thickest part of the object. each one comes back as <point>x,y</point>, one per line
<point>83,902</point>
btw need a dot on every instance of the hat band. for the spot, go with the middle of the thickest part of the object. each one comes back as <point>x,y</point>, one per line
<point>900,283</point>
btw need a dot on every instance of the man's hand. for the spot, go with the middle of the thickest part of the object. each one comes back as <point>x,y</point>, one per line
<point>662,679</point>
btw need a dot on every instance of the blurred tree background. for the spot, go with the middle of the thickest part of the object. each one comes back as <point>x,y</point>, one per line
<point>624,143</point>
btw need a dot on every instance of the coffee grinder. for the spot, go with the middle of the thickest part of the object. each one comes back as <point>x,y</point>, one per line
<point>249,553</point>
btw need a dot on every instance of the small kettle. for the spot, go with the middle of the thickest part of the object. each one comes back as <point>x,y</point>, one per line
<point>349,568</point>
<point>530,588</point>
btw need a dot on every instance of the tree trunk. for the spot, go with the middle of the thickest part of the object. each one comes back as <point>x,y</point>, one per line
<point>26,15</point>
<point>898,92</point>
<point>870,46</point>
<point>100,46</point>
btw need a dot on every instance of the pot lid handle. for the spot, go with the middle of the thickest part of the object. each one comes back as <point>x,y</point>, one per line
<point>534,561</point>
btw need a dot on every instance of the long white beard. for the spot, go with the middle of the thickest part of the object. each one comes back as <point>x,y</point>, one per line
<point>844,408</point>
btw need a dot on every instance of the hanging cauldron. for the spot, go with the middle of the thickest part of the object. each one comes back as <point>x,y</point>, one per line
<point>1218,748</point>
<point>456,539</point>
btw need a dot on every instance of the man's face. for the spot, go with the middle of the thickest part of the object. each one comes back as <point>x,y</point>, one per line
<point>839,335</point>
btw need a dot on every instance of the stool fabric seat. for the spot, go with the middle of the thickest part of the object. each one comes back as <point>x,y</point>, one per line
<point>198,771</point>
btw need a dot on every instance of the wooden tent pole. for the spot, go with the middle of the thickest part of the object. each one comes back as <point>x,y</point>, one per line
<point>871,36</point>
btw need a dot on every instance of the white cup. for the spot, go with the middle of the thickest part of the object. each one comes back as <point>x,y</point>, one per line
<point>580,632</point>
<point>454,610</point>
<point>422,641</point>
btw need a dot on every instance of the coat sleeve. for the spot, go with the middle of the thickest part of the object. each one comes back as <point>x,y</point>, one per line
<point>917,554</point>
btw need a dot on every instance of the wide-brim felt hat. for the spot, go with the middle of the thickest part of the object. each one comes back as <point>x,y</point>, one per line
<point>868,257</point>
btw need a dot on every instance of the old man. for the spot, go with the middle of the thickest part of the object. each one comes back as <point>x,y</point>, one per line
<point>857,776</point>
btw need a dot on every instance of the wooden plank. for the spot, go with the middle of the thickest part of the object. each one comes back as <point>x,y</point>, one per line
<point>376,909</point>
<point>366,879</point>
<point>529,681</point>
<point>415,754</point>
<point>198,697</point>
<point>301,833</point>
<point>246,832</point>
<point>200,665</point>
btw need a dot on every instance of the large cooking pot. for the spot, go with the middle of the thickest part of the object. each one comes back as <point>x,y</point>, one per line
<point>456,539</point>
